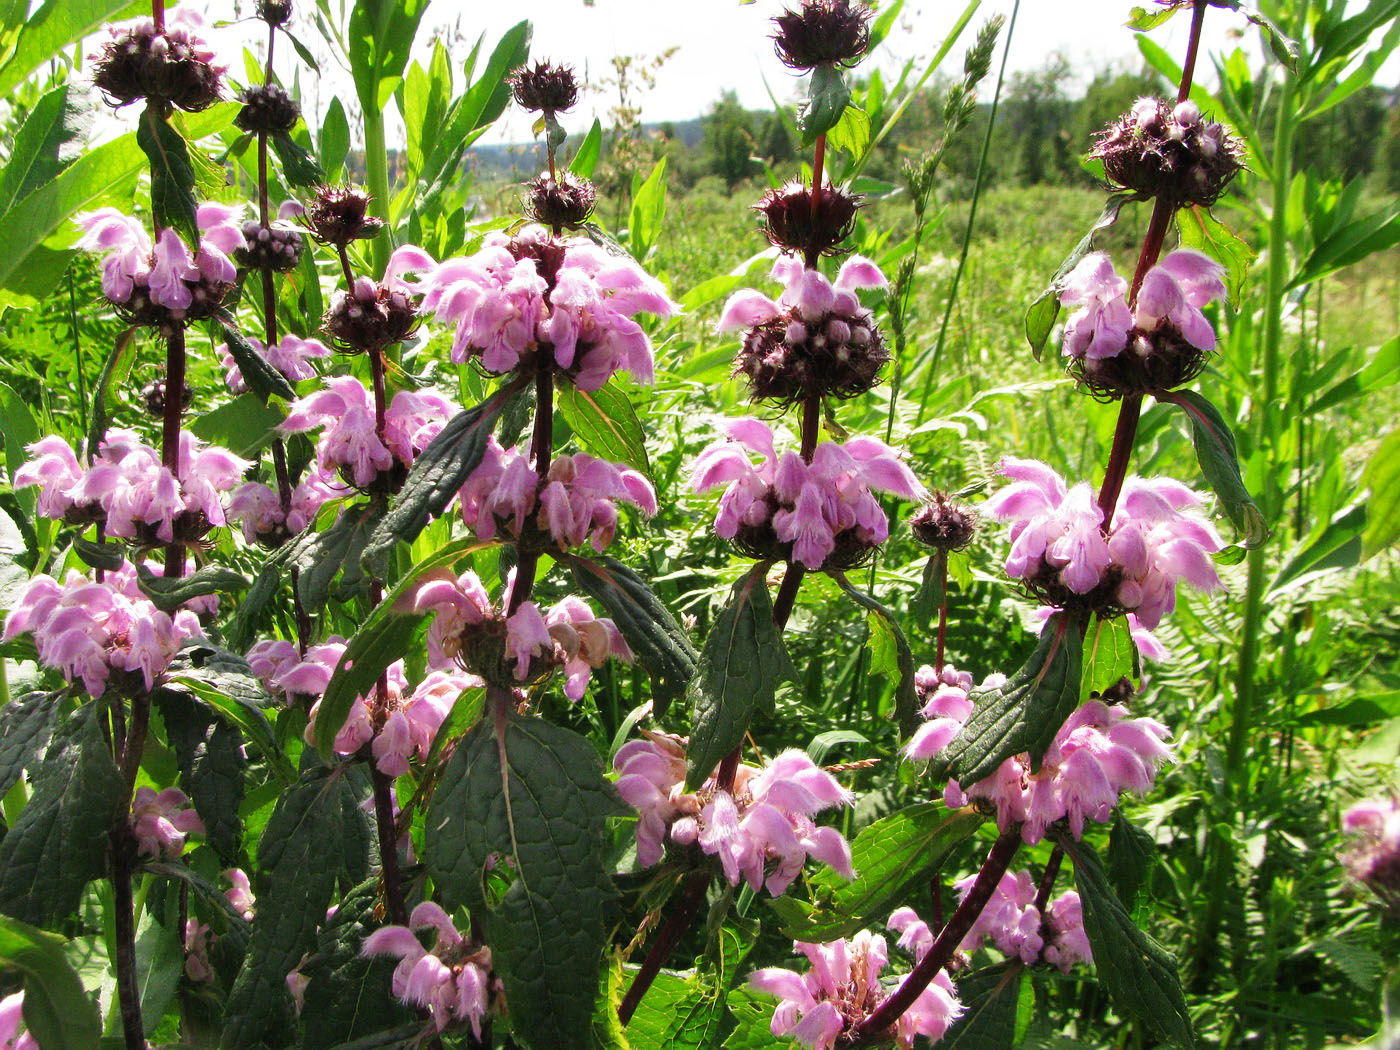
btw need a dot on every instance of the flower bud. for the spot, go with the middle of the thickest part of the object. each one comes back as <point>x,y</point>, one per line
<point>547,88</point>
<point>790,223</point>
<point>370,318</point>
<point>170,66</point>
<point>1158,150</point>
<point>153,398</point>
<point>267,108</point>
<point>338,215</point>
<point>269,248</point>
<point>275,12</point>
<point>823,32</point>
<point>944,524</point>
<point>564,201</point>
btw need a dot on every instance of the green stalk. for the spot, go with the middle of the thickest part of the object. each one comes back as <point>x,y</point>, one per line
<point>377,169</point>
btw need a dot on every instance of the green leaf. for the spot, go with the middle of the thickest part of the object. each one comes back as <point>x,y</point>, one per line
<point>59,843</point>
<point>106,555</point>
<point>26,723</point>
<point>1138,974</point>
<point>995,1000</point>
<point>1354,242</point>
<point>1131,854</point>
<point>1361,711</point>
<point>851,133</point>
<point>122,354</point>
<point>172,175</point>
<point>648,209</point>
<point>1201,230</point>
<point>380,35</point>
<point>605,423</point>
<point>890,655</point>
<point>160,963</point>
<point>891,857</point>
<point>586,156</point>
<point>300,854</point>
<point>437,474</point>
<point>1337,545</point>
<point>169,594</point>
<point>1142,19</point>
<point>741,665</point>
<point>55,25</point>
<point>1109,655</point>
<point>650,630</point>
<point>209,752</point>
<point>823,744</point>
<point>529,799</point>
<point>57,1011</point>
<point>1215,451</point>
<point>1040,317</point>
<point>828,95</point>
<point>1285,49</point>
<point>1381,371</point>
<point>51,138</point>
<point>1025,713</point>
<point>318,556</point>
<point>1382,477</point>
<point>334,142</point>
<point>262,379</point>
<point>18,429</point>
<point>554,133</point>
<point>244,426</point>
<point>299,166</point>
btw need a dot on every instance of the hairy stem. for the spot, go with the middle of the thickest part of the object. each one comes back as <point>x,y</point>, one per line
<point>541,449</point>
<point>170,432</point>
<point>942,570</point>
<point>1193,46</point>
<point>818,162</point>
<point>1047,878</point>
<point>388,845</point>
<point>688,903</point>
<point>1119,458</point>
<point>943,947</point>
<point>131,741</point>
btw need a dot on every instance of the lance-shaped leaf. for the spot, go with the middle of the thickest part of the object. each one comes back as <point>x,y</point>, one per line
<point>209,752</point>
<point>741,665</point>
<point>299,167</point>
<point>605,423</point>
<point>301,855</point>
<point>650,629</point>
<point>1040,318</point>
<point>891,857</point>
<point>1215,451</point>
<point>1138,973</point>
<point>169,594</point>
<point>438,472</point>
<point>26,723</point>
<point>1109,655</point>
<point>890,655</point>
<point>123,351</point>
<point>527,801</point>
<point>261,377</point>
<point>59,843</point>
<point>226,923</point>
<point>1025,712</point>
<point>172,174</point>
<point>998,1004</point>
<point>51,138</point>
<point>1131,854</point>
<point>57,1011</point>
<point>106,555</point>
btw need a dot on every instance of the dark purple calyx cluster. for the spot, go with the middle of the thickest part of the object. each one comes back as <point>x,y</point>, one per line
<point>171,66</point>
<point>944,524</point>
<point>370,317</point>
<point>275,12</point>
<point>545,88</point>
<point>564,201</point>
<point>153,398</point>
<point>269,248</point>
<point>339,215</point>
<point>793,223</point>
<point>1161,150</point>
<point>822,33</point>
<point>267,108</point>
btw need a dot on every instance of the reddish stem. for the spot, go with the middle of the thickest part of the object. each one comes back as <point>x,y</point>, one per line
<point>692,895</point>
<point>818,161</point>
<point>170,432</point>
<point>541,449</point>
<point>388,845</point>
<point>1193,46</point>
<point>1119,457</point>
<point>158,14</point>
<point>942,557</point>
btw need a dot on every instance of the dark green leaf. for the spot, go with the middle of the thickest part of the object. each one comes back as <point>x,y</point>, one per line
<point>59,843</point>
<point>586,156</point>
<point>1025,713</point>
<point>160,963</point>
<point>169,594</point>
<point>533,794</point>
<point>1336,546</point>
<point>1381,371</point>
<point>1109,654</point>
<point>109,556</point>
<point>1353,242</point>
<point>1215,451</point>
<point>437,474</point>
<point>898,663</point>
<point>1131,854</point>
<point>995,1000</point>
<point>299,167</point>
<point>1040,318</point>
<point>828,95</point>
<point>648,626</point>
<point>244,425</point>
<point>57,1011</point>
<point>301,856</point>
<point>26,723</point>
<point>1138,974</point>
<point>172,175</point>
<point>320,555</point>
<point>1382,477</point>
<point>262,379</point>
<point>52,27</point>
<point>605,424</point>
<point>554,133</point>
<point>380,35</point>
<point>122,354</point>
<point>743,662</point>
<point>334,144</point>
<point>210,755</point>
<point>1201,230</point>
<point>891,857</point>
<point>308,59</point>
<point>51,138</point>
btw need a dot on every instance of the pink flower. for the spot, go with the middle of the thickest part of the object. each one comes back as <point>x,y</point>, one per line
<point>786,503</point>
<point>11,1016</point>
<point>160,822</point>
<point>55,469</point>
<point>1010,920</point>
<point>843,988</point>
<point>1171,295</point>
<point>290,355</point>
<point>1069,943</point>
<point>452,981</point>
<point>412,724</point>
<point>1373,857</point>
<point>197,967</point>
<point>240,895</point>
<point>807,297</point>
<point>580,309</point>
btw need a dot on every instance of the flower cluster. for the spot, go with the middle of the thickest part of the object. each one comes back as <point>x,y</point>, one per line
<point>1097,755</point>
<point>277,248</point>
<point>843,988</point>
<point>129,491</point>
<point>338,215</point>
<point>369,316</point>
<point>575,502</point>
<point>161,821</point>
<point>815,340</point>
<point>793,222</point>
<point>1060,551</point>
<point>267,108</point>
<point>11,1015</point>
<point>351,446</point>
<point>822,33</point>
<point>1161,149</point>
<point>1158,344</point>
<point>534,301</point>
<point>97,631</point>
<point>265,520</point>
<point>452,982</point>
<point>1374,855</point>
<point>291,355</point>
<point>944,524</point>
<point>821,514</point>
<point>504,650</point>
<point>171,65</point>
<point>766,817</point>
<point>164,285</point>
